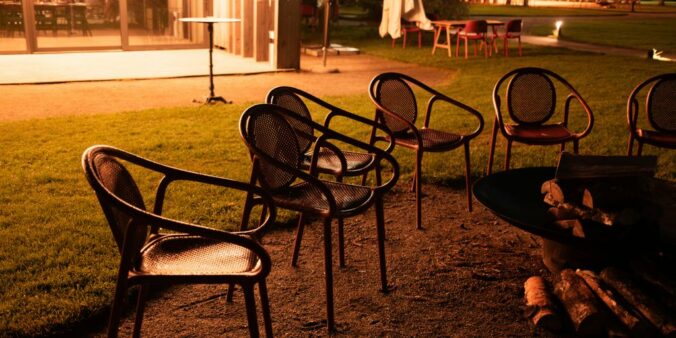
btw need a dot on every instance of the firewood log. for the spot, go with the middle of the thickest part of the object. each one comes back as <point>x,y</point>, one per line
<point>616,193</point>
<point>561,213</point>
<point>569,192</point>
<point>580,303</point>
<point>636,325</point>
<point>648,307</point>
<point>648,272</point>
<point>540,307</point>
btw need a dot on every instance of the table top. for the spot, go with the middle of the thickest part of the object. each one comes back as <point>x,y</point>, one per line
<point>209,19</point>
<point>459,23</point>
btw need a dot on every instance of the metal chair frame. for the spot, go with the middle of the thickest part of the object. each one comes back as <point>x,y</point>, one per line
<point>479,32</point>
<point>344,171</point>
<point>636,133</point>
<point>382,111</point>
<point>500,124</point>
<point>129,276</point>
<point>332,210</point>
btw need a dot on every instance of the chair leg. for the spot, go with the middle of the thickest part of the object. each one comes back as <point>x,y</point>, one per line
<point>630,144</point>
<point>380,225</point>
<point>639,148</point>
<point>508,154</point>
<point>246,214</point>
<point>448,42</point>
<point>505,47</point>
<point>328,274</point>
<point>393,43</point>
<point>265,304</point>
<point>419,39</point>
<point>250,302</point>
<point>457,46</point>
<point>418,189</point>
<point>341,243</point>
<point>519,46</point>
<point>468,178</point>
<point>299,238</point>
<point>576,146</point>
<point>491,151</point>
<point>404,39</point>
<point>140,307</point>
<point>230,293</point>
<point>563,146</point>
<point>118,302</point>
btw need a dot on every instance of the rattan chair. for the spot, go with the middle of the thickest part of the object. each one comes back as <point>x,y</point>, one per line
<point>660,109</point>
<point>277,157</point>
<point>190,254</point>
<point>328,161</point>
<point>531,102</point>
<point>397,108</point>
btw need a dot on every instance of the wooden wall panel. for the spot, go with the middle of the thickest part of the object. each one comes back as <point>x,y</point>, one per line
<point>287,34</point>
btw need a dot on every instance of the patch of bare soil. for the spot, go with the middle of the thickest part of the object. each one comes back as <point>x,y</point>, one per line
<point>462,276</point>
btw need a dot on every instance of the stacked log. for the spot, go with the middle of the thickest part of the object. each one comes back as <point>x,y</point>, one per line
<point>540,308</point>
<point>580,303</point>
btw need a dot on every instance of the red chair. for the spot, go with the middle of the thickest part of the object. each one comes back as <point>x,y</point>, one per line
<point>660,108</point>
<point>531,102</point>
<point>512,31</point>
<point>408,27</point>
<point>476,30</point>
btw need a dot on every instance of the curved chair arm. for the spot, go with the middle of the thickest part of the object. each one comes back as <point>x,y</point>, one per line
<point>271,94</point>
<point>323,143</point>
<point>632,114</point>
<point>441,97</point>
<point>342,113</point>
<point>590,116</point>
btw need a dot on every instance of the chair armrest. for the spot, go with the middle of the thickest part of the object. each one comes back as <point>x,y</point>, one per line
<point>632,114</point>
<point>354,117</point>
<point>590,115</point>
<point>323,143</point>
<point>441,97</point>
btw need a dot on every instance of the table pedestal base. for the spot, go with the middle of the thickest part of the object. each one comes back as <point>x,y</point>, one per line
<point>216,99</point>
<point>557,256</point>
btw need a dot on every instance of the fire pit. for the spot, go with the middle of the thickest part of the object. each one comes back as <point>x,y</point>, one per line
<point>515,196</point>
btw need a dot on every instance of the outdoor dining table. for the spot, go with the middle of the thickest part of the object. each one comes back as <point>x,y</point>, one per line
<point>514,196</point>
<point>448,25</point>
<point>210,21</point>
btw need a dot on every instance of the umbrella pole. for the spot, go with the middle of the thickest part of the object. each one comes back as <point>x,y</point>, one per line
<point>325,48</point>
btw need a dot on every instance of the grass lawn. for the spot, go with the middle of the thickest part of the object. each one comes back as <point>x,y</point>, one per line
<point>645,34</point>
<point>58,260</point>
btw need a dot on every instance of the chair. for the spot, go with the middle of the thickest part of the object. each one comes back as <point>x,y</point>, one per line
<point>512,31</point>
<point>328,161</point>
<point>408,27</point>
<point>660,109</point>
<point>476,30</point>
<point>191,254</point>
<point>397,108</point>
<point>531,102</point>
<point>277,158</point>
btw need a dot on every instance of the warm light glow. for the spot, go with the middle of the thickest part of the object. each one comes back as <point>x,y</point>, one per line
<point>557,30</point>
<point>559,24</point>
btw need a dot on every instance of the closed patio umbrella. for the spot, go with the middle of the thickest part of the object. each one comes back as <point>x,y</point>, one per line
<point>395,10</point>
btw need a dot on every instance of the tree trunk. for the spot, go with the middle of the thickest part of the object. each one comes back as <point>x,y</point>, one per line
<point>580,303</point>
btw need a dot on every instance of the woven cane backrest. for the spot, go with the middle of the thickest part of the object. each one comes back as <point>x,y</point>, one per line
<point>661,105</point>
<point>116,179</point>
<point>294,103</point>
<point>531,98</point>
<point>274,136</point>
<point>513,26</point>
<point>397,96</point>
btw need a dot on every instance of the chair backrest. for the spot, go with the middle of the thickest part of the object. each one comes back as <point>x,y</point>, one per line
<point>393,93</point>
<point>513,26</point>
<point>531,97</point>
<point>661,104</point>
<point>273,137</point>
<point>285,97</point>
<point>111,180</point>
<point>476,27</point>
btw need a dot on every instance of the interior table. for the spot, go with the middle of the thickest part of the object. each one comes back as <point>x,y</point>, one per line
<point>514,195</point>
<point>448,25</point>
<point>210,21</point>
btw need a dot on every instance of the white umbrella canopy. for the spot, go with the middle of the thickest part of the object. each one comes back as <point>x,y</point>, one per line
<point>395,10</point>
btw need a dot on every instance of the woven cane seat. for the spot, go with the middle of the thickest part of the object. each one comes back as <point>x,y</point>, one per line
<point>657,138</point>
<point>305,196</point>
<point>328,161</point>
<point>432,139</point>
<point>549,133</point>
<point>193,255</point>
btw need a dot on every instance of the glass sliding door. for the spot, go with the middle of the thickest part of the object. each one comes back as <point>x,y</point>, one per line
<point>155,22</point>
<point>12,30</point>
<point>77,24</point>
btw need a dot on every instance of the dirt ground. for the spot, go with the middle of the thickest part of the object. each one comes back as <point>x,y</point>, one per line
<point>461,276</point>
